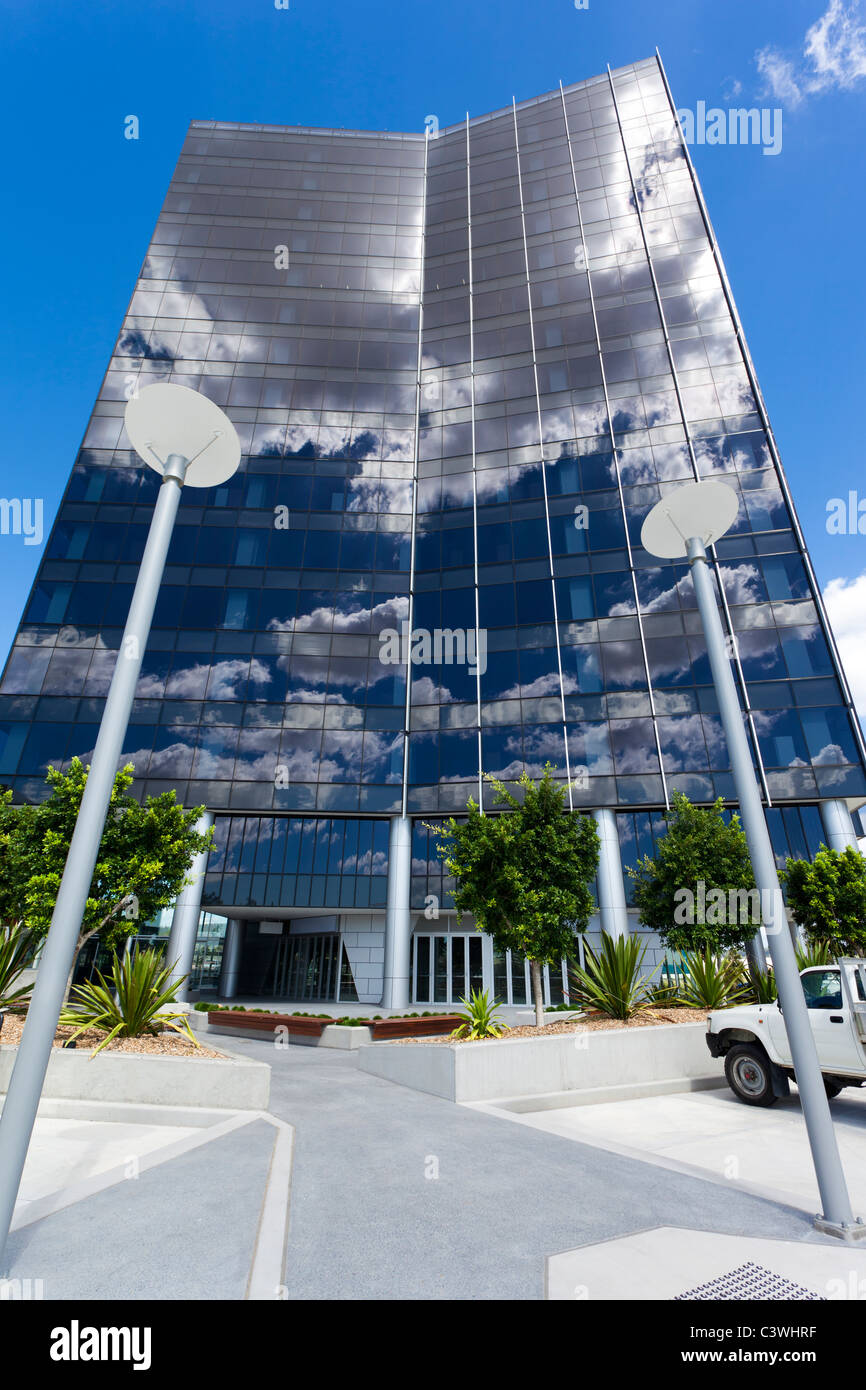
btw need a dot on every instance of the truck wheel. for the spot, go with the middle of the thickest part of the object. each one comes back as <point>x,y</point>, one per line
<point>749,1075</point>
<point>832,1088</point>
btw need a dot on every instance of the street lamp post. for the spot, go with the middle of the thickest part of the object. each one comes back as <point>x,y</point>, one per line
<point>683,524</point>
<point>188,439</point>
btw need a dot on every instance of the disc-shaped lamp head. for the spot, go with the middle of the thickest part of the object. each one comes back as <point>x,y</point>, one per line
<point>696,511</point>
<point>167,419</point>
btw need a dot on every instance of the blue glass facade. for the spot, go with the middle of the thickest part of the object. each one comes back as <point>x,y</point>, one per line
<point>463,368</point>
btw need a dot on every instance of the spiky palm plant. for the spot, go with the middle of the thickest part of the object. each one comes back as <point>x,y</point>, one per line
<point>612,981</point>
<point>132,1006</point>
<point>17,950</point>
<point>761,986</point>
<point>712,982</point>
<point>814,952</point>
<point>479,1019</point>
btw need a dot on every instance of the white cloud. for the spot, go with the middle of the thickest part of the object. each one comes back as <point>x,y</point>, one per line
<point>846,604</point>
<point>833,56</point>
<point>778,73</point>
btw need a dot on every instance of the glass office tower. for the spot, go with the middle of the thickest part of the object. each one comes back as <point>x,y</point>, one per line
<point>463,365</point>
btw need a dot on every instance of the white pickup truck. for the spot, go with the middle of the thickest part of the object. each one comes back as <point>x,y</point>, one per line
<point>753,1041</point>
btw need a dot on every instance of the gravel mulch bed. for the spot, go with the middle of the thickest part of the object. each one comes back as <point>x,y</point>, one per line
<point>164,1044</point>
<point>590,1023</point>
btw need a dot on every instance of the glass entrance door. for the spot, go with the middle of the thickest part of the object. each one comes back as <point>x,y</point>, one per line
<point>306,967</point>
<point>447,967</point>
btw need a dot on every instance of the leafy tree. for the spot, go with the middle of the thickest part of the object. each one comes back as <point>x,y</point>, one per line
<point>18,857</point>
<point>700,848</point>
<point>143,861</point>
<point>523,875</point>
<point>827,899</point>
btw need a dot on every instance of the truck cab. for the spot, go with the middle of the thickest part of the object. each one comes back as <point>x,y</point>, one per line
<point>753,1040</point>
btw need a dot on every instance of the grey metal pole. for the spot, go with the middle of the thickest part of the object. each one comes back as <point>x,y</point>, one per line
<point>838,1218</point>
<point>34,1052</point>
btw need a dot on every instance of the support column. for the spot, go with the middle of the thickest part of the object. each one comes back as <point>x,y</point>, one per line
<point>838,825</point>
<point>611,886</point>
<point>398,923</point>
<point>228,985</point>
<point>187,911</point>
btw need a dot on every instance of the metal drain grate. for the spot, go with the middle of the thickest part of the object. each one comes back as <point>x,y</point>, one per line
<point>750,1281</point>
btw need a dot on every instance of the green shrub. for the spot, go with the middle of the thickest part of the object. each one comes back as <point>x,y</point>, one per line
<point>612,981</point>
<point>815,952</point>
<point>17,949</point>
<point>479,1018</point>
<point>712,982</point>
<point>761,986</point>
<point>133,1005</point>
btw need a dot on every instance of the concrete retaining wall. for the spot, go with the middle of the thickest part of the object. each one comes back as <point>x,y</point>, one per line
<point>345,1036</point>
<point>650,1058</point>
<point>232,1084</point>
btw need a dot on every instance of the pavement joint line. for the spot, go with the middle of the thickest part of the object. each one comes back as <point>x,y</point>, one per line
<point>53,1202</point>
<point>780,1197</point>
<point>605,1240</point>
<point>267,1267</point>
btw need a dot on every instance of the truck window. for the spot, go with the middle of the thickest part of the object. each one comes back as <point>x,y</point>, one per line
<point>823,989</point>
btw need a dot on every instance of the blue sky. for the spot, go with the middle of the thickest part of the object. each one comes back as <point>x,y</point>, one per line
<point>83,200</point>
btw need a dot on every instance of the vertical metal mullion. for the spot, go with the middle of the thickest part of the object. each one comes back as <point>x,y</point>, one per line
<point>414,946</point>
<point>741,680</point>
<point>613,447</point>
<point>765,423</point>
<point>474,466</point>
<point>277,968</point>
<point>415,465</point>
<point>541,458</point>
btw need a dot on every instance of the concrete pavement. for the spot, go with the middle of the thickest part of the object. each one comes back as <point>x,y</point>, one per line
<point>395,1195</point>
<point>710,1134</point>
<point>400,1195</point>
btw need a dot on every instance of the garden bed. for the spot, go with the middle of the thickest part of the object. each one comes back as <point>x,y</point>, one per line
<point>164,1044</point>
<point>587,1023</point>
<point>587,1061</point>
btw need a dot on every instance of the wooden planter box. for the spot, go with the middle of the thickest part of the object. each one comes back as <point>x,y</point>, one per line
<point>266,1023</point>
<point>431,1027</point>
<point>313,1028</point>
